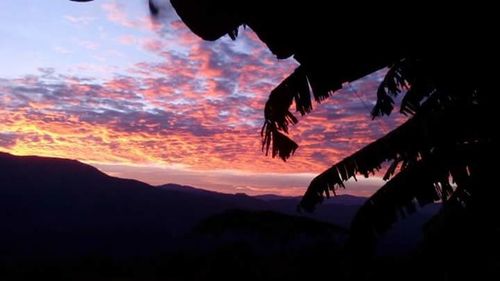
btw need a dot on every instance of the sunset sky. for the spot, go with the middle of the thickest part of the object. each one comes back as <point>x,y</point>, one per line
<point>101,83</point>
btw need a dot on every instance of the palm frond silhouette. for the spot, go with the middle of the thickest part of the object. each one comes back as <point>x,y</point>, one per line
<point>438,59</point>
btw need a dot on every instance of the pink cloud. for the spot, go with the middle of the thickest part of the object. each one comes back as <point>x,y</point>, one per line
<point>127,40</point>
<point>153,45</point>
<point>116,14</point>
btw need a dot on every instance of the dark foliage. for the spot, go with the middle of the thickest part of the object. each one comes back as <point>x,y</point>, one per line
<point>438,60</point>
<point>437,63</point>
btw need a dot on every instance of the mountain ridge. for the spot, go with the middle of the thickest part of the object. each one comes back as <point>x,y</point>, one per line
<point>58,207</point>
<point>55,206</point>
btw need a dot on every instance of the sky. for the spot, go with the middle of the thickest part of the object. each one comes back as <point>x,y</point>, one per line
<point>102,83</point>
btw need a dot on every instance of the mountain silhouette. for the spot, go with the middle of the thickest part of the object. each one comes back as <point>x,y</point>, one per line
<point>65,219</point>
<point>55,207</point>
<point>52,207</point>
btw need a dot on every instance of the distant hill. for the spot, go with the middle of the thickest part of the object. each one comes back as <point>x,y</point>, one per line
<point>273,197</point>
<point>337,210</point>
<point>343,199</point>
<point>59,207</point>
<point>187,188</point>
<point>207,193</point>
<point>51,206</point>
<point>340,210</point>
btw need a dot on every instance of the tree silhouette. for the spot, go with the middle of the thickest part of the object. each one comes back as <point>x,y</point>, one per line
<point>437,63</point>
<point>438,59</point>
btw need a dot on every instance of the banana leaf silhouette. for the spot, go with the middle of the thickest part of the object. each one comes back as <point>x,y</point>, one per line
<point>436,60</point>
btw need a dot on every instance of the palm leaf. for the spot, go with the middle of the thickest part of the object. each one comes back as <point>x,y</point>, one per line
<point>417,138</point>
